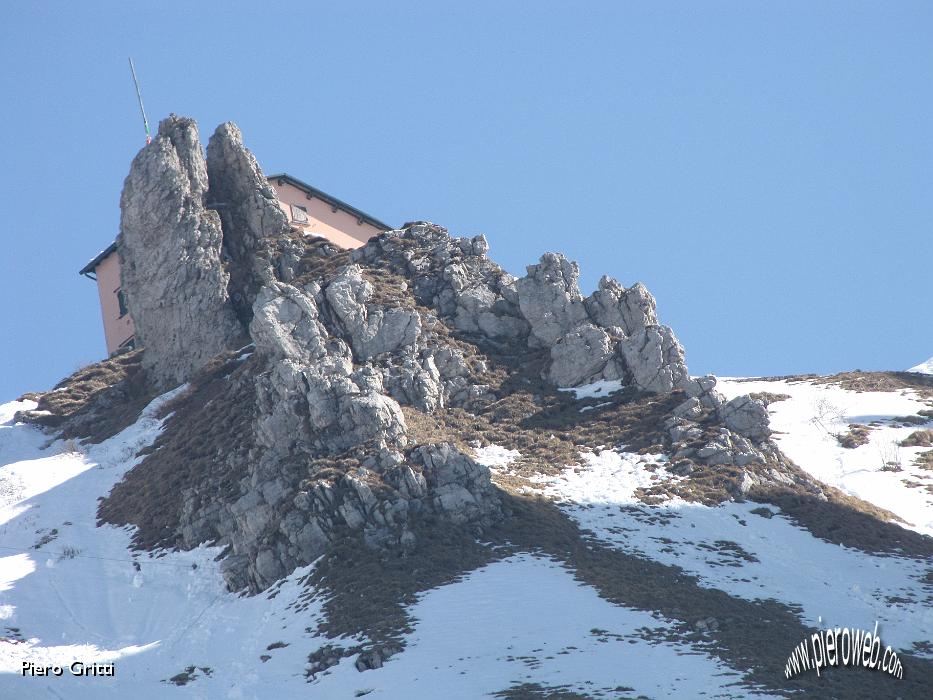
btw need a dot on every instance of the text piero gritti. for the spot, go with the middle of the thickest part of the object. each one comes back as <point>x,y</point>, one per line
<point>77,668</point>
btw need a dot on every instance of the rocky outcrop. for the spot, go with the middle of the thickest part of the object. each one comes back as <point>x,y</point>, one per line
<point>170,258</point>
<point>313,398</point>
<point>452,276</point>
<point>371,332</point>
<point>340,354</point>
<point>612,334</point>
<point>583,355</point>
<point>325,351</point>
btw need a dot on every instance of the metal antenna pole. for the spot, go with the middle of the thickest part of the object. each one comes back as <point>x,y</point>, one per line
<point>140,98</point>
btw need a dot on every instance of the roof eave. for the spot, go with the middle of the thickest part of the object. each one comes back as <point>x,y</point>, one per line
<point>330,199</point>
<point>98,259</point>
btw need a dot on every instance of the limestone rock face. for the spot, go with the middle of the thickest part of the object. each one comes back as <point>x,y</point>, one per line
<point>549,297</point>
<point>253,223</point>
<point>460,487</point>
<point>584,355</point>
<point>170,258</point>
<point>613,305</point>
<point>655,359</point>
<point>322,393</point>
<point>312,397</point>
<point>371,332</point>
<point>452,276</point>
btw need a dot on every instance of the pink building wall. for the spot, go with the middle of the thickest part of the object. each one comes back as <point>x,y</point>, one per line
<point>341,227</point>
<point>118,329</point>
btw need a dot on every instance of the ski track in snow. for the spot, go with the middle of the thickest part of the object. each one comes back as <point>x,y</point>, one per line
<point>521,620</point>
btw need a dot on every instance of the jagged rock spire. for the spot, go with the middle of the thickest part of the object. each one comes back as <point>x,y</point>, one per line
<point>253,223</point>
<point>170,253</point>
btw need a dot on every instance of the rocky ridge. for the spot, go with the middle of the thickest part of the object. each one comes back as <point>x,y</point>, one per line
<point>328,351</point>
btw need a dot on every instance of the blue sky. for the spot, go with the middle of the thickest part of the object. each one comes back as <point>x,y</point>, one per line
<point>765,168</point>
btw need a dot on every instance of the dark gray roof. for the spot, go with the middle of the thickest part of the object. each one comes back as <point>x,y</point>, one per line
<point>98,259</point>
<point>279,178</point>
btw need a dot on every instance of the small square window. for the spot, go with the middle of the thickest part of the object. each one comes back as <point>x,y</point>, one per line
<point>121,300</point>
<point>299,214</point>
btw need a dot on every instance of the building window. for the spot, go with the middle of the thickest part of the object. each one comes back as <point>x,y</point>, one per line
<point>299,214</point>
<point>121,300</point>
<point>128,344</point>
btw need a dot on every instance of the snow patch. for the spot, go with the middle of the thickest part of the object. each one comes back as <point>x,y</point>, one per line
<point>495,456</point>
<point>599,389</point>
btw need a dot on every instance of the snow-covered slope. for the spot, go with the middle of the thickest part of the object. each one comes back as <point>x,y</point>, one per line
<point>923,367</point>
<point>72,590</point>
<point>806,426</point>
<point>747,551</point>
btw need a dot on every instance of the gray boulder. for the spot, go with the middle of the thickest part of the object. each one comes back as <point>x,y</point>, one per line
<point>612,305</point>
<point>583,355</point>
<point>746,416</point>
<point>460,487</point>
<point>654,358</point>
<point>612,334</point>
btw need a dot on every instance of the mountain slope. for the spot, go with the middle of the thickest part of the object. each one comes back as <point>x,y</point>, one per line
<point>393,469</point>
<point>524,621</point>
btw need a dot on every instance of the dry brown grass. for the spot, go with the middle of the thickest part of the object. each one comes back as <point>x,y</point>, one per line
<point>925,460</point>
<point>768,398</point>
<point>856,436</point>
<point>203,444</point>
<point>536,691</point>
<point>366,591</point>
<point>859,381</point>
<point>389,289</point>
<point>545,425</point>
<point>97,401</point>
<point>321,260</point>
<point>880,381</point>
<point>918,438</point>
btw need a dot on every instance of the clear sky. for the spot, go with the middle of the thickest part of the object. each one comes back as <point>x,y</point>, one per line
<point>764,168</point>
